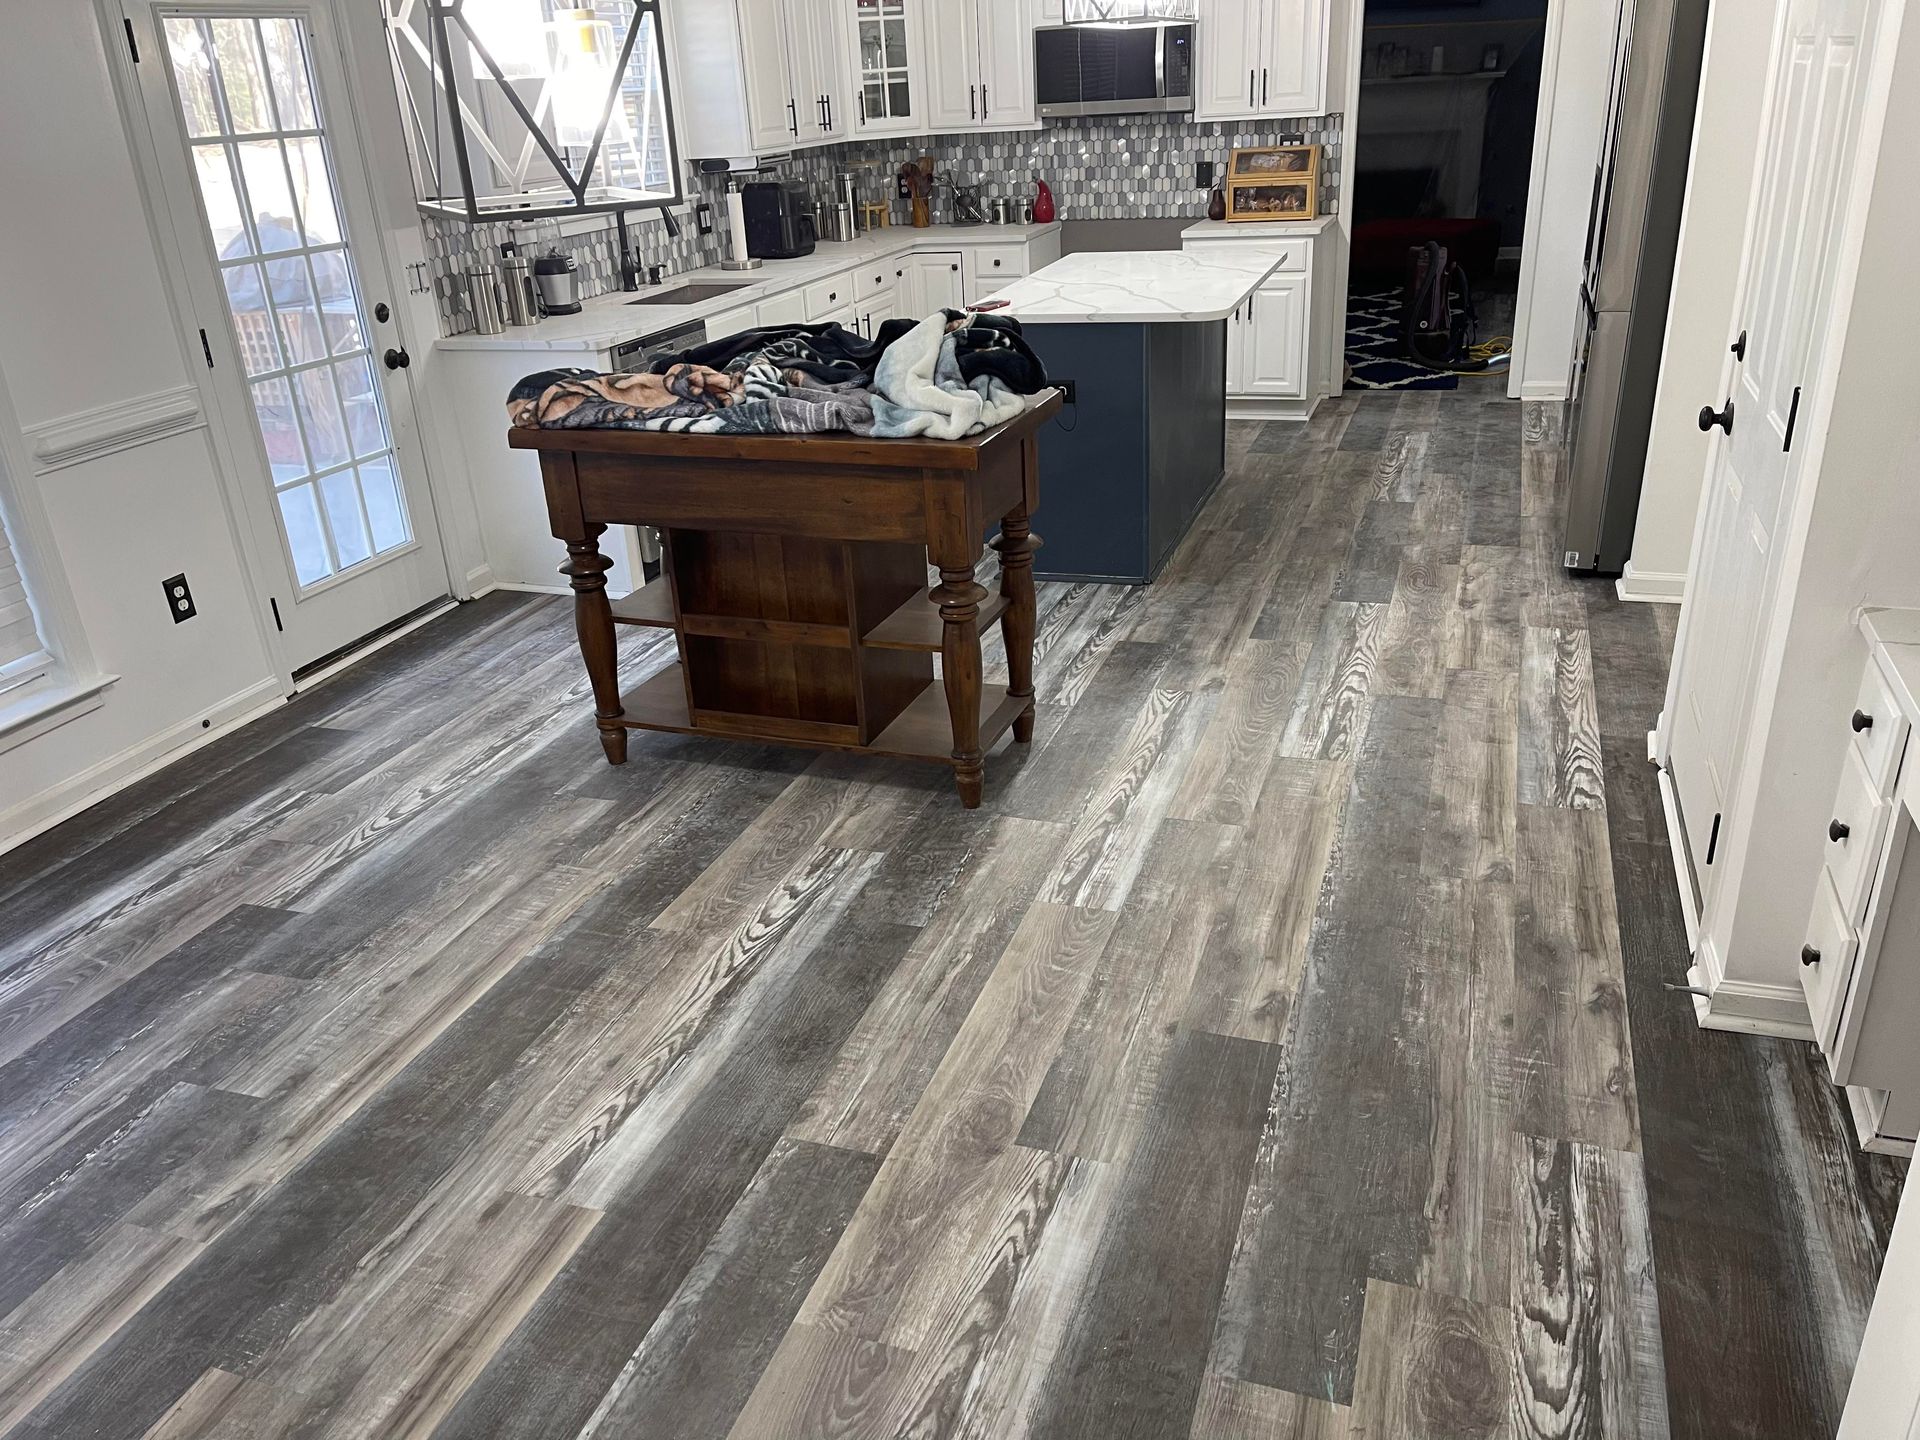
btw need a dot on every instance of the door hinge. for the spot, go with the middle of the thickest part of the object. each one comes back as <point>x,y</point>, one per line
<point>206,349</point>
<point>1793,418</point>
<point>133,45</point>
<point>276,615</point>
<point>1713,838</point>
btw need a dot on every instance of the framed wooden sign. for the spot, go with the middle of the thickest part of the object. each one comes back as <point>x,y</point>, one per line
<point>1274,182</point>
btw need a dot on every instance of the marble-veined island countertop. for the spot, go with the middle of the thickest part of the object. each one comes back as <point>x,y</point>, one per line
<point>1132,287</point>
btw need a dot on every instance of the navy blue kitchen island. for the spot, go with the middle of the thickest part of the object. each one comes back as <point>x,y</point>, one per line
<point>1142,338</point>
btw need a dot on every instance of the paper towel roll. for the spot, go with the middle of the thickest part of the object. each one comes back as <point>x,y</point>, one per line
<point>736,225</point>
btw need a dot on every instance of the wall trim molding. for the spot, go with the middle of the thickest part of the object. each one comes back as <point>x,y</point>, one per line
<point>1746,1007</point>
<point>68,798</point>
<point>1657,587</point>
<point>1542,390</point>
<point>117,425</point>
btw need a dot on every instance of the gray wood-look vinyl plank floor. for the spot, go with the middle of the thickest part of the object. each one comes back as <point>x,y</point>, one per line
<point>1280,1052</point>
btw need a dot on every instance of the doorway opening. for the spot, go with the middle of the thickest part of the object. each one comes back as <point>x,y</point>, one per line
<point>1442,152</point>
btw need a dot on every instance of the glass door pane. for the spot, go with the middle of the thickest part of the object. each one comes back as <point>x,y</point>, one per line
<point>263,162</point>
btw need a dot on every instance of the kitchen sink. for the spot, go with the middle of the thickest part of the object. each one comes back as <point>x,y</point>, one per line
<point>687,294</point>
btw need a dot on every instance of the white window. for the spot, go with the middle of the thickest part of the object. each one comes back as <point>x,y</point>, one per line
<point>23,657</point>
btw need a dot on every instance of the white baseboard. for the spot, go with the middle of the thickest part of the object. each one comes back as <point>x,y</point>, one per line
<point>526,589</point>
<point>1255,407</point>
<point>1659,587</point>
<point>479,581</point>
<point>94,784</point>
<point>1670,807</point>
<point>1543,390</point>
<point>1743,1006</point>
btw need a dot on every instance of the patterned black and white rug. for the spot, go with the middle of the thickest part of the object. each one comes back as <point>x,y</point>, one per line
<point>1373,349</point>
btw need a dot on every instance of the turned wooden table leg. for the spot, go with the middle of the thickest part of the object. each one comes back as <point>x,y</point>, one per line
<point>959,597</point>
<point>1016,545</point>
<point>586,570</point>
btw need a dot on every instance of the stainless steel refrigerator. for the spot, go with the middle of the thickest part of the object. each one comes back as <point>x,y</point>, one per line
<point>1633,228</point>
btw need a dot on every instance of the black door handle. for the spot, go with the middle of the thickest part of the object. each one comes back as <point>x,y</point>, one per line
<point>1724,419</point>
<point>397,359</point>
<point>1809,955</point>
<point>1838,830</point>
<point>1739,347</point>
<point>1861,721</point>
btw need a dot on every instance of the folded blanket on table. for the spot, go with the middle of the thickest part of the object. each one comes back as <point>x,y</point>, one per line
<point>919,388</point>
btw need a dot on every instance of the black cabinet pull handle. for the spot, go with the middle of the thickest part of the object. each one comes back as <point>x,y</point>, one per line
<point>972,114</point>
<point>1263,85</point>
<point>1809,955</point>
<point>397,359</point>
<point>1724,419</point>
<point>1838,830</point>
<point>1249,89</point>
<point>1861,721</point>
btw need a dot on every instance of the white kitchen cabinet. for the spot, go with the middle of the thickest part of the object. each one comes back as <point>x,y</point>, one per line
<point>875,310</point>
<point>759,76</point>
<point>787,309</point>
<point>1860,960</point>
<point>1270,342</point>
<point>934,281</point>
<point>981,64</point>
<point>1275,359</point>
<point>886,67</point>
<point>732,322</point>
<point>1261,58</point>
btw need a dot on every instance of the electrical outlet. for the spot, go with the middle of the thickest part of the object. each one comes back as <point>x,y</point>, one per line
<point>1067,394</point>
<point>179,598</point>
<point>1203,174</point>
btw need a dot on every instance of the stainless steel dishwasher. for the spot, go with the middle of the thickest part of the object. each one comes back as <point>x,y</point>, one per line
<point>633,357</point>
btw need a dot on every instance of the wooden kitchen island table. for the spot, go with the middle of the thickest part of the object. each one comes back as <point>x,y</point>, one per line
<point>795,583</point>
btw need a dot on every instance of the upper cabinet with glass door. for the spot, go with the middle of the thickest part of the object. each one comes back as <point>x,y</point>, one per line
<point>885,63</point>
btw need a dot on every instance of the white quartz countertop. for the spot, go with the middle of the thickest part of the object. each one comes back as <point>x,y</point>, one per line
<point>608,320</point>
<point>1132,287</point>
<point>1254,229</point>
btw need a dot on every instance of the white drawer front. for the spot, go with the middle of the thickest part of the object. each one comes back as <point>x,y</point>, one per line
<point>788,309</point>
<point>1853,836</point>
<point>994,265</point>
<point>1879,729</point>
<point>826,298</point>
<point>1826,961</point>
<point>880,275</point>
<point>731,322</point>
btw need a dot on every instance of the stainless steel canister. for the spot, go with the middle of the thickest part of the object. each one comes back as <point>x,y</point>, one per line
<point>483,300</point>
<point>522,299</point>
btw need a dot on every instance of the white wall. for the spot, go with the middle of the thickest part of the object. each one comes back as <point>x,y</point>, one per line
<point>1700,318</point>
<point>84,324</point>
<point>1575,70</point>
<point>1851,542</point>
<point>87,334</point>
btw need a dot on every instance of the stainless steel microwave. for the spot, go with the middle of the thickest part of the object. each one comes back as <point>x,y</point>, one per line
<point>1112,69</point>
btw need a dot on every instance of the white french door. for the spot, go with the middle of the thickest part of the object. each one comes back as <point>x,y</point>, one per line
<point>272,217</point>
<point>1795,216</point>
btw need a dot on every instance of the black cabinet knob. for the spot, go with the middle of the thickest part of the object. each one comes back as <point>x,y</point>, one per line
<point>397,359</point>
<point>1861,721</point>
<point>996,264</point>
<point>953,267</point>
<point>1838,830</point>
<point>1724,418</point>
<point>1809,955</point>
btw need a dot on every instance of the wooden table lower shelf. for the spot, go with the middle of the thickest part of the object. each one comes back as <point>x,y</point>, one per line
<point>795,582</point>
<point>922,731</point>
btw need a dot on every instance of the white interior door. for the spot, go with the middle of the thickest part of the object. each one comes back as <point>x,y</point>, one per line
<point>261,174</point>
<point>1793,224</point>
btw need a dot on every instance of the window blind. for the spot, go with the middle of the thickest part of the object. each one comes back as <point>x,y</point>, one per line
<point>22,656</point>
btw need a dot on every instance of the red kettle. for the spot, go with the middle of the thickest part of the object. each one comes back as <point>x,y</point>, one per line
<point>1042,203</point>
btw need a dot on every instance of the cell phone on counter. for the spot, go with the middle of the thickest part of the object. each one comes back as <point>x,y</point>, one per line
<point>990,305</point>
